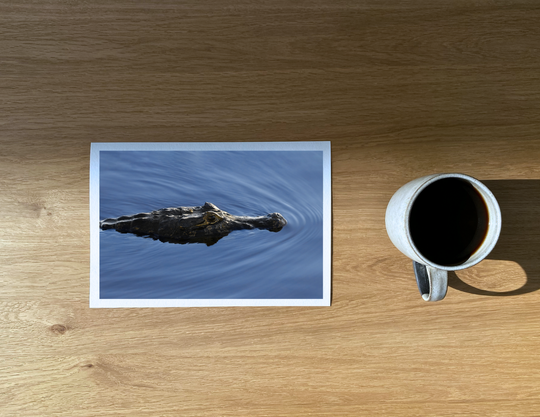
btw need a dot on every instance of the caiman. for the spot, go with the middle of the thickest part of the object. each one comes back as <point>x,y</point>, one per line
<point>201,224</point>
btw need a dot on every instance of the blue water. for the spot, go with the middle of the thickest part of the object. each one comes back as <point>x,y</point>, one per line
<point>246,264</point>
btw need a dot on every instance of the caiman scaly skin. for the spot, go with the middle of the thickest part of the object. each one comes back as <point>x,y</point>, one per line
<point>201,224</point>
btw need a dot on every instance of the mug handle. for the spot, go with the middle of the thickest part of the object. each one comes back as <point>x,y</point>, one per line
<point>432,282</point>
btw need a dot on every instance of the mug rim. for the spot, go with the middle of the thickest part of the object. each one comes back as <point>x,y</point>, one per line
<point>494,225</point>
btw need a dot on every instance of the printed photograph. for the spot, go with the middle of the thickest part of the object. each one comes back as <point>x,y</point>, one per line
<point>216,224</point>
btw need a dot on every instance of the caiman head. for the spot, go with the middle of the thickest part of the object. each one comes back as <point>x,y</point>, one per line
<point>201,224</point>
<point>213,217</point>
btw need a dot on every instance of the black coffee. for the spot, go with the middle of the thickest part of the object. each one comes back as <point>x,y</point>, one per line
<point>448,221</point>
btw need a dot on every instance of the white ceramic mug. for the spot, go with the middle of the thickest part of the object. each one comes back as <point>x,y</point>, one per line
<point>416,240</point>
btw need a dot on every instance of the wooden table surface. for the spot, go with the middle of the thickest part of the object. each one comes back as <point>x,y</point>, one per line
<point>401,88</point>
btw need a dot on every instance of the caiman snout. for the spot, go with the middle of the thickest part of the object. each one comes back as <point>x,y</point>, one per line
<point>278,221</point>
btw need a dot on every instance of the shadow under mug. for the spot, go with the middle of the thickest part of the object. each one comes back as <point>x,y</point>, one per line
<point>454,224</point>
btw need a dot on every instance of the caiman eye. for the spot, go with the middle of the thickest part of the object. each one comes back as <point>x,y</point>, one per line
<point>211,218</point>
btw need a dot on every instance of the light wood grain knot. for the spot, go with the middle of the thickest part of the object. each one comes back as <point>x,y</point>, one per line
<point>58,329</point>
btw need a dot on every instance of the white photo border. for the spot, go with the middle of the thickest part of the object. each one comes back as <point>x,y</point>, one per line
<point>97,302</point>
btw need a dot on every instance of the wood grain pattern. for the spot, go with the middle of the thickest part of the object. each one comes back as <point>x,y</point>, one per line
<point>401,88</point>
